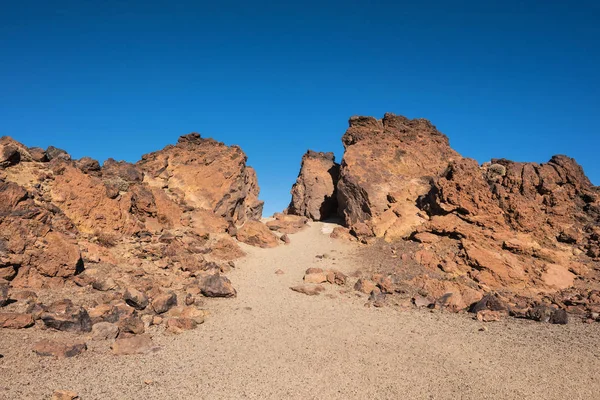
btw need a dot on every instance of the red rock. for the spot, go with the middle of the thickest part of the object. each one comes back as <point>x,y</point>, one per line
<point>490,316</point>
<point>365,286</point>
<point>310,290</point>
<point>217,286</point>
<point>257,234</point>
<point>12,320</point>
<point>315,278</point>
<point>64,395</point>
<point>104,331</point>
<point>164,302</point>
<point>59,349</point>
<point>136,298</point>
<point>287,224</point>
<point>141,344</point>
<point>178,325</point>
<point>314,194</point>
<point>132,324</point>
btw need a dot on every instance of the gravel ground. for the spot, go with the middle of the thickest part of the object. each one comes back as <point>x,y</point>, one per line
<point>271,342</point>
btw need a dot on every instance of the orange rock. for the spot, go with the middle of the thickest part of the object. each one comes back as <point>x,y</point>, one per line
<point>257,234</point>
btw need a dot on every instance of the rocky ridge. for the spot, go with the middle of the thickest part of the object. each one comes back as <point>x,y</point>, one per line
<point>444,231</point>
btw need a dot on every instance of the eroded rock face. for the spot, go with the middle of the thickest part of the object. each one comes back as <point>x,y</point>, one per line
<point>314,195</point>
<point>206,174</point>
<point>387,165</point>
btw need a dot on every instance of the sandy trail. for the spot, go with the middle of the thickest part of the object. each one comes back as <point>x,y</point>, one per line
<point>271,342</point>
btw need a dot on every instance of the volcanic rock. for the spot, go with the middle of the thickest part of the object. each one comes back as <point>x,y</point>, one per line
<point>287,224</point>
<point>257,234</point>
<point>217,286</point>
<point>65,316</point>
<point>140,344</point>
<point>104,331</point>
<point>164,302</point>
<point>314,194</point>
<point>59,349</point>
<point>136,298</point>
<point>309,290</point>
<point>13,320</point>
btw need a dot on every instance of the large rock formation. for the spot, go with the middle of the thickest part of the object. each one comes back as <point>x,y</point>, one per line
<point>387,165</point>
<point>314,194</point>
<point>527,232</point>
<point>157,228</point>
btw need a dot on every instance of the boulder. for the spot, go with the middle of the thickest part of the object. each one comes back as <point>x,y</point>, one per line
<point>319,277</point>
<point>314,195</point>
<point>164,302</point>
<point>217,286</point>
<point>255,233</point>
<point>104,331</point>
<point>179,325</point>
<point>65,316</point>
<point>136,298</point>
<point>287,224</point>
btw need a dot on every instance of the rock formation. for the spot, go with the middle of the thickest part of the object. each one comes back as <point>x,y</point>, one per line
<point>314,193</point>
<point>455,230</point>
<point>144,238</point>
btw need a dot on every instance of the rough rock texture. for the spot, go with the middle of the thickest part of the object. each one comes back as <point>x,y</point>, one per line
<point>455,230</point>
<point>314,194</point>
<point>121,242</point>
<point>387,165</point>
<point>206,174</point>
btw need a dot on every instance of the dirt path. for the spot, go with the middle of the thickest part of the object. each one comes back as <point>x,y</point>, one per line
<point>271,342</point>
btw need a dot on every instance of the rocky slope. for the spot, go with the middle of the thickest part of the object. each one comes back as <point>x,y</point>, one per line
<point>453,231</point>
<point>124,245</point>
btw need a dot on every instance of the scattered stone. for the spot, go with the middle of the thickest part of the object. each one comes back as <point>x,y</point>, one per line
<point>189,299</point>
<point>12,320</point>
<point>336,277</point>
<point>559,317</point>
<point>58,349</point>
<point>217,286</point>
<point>279,272</point>
<point>255,233</point>
<point>285,239</point>
<point>136,298</point>
<point>141,344</point>
<point>313,271</point>
<point>310,290</point>
<point>422,301</point>
<point>104,331</point>
<point>164,302</point>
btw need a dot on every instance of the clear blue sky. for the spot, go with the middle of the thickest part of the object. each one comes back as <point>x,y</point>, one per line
<point>514,79</point>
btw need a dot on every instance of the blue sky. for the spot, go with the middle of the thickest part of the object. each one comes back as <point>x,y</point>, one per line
<point>513,79</point>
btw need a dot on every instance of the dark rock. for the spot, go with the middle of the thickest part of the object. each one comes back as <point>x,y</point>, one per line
<point>217,286</point>
<point>65,316</point>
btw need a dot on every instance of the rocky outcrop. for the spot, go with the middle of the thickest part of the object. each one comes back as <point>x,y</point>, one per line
<point>206,174</point>
<point>140,240</point>
<point>314,194</point>
<point>462,230</point>
<point>387,165</point>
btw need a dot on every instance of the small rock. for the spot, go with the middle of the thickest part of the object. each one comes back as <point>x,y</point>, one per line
<point>279,272</point>
<point>336,277</point>
<point>559,317</point>
<point>178,325</point>
<point>483,329</point>
<point>189,299</point>
<point>64,395</point>
<point>136,298</point>
<point>104,331</point>
<point>422,301</point>
<point>285,239</point>
<point>104,285</point>
<point>157,320</point>
<point>12,320</point>
<point>164,302</point>
<point>310,290</point>
<point>490,315</point>
<point>141,344</point>
<point>132,324</point>
<point>217,286</point>
<point>3,294</point>
<point>58,349</point>
<point>313,271</point>
<point>365,286</point>
<point>319,277</point>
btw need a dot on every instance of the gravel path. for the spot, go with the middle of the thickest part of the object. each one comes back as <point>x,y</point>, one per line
<point>271,342</point>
